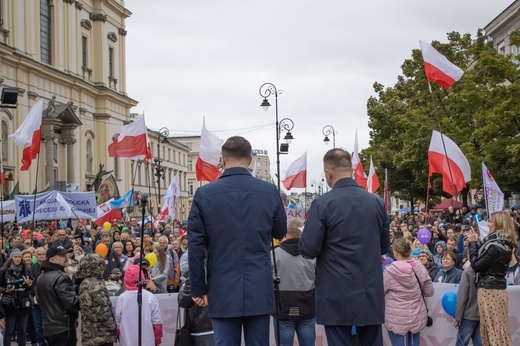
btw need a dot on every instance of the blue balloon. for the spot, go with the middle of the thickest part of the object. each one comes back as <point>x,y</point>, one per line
<point>416,252</point>
<point>449,302</point>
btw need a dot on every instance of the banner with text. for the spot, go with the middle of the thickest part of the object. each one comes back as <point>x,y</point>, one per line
<point>56,205</point>
<point>296,213</point>
<point>8,211</point>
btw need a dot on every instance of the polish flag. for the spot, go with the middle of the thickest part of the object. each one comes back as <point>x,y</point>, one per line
<point>359,174</point>
<point>372,181</point>
<point>106,213</point>
<point>438,68</point>
<point>168,208</point>
<point>296,174</point>
<point>27,136</point>
<point>446,158</point>
<point>132,142</point>
<point>209,156</point>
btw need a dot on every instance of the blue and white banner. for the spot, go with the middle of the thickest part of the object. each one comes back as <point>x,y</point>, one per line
<point>56,205</point>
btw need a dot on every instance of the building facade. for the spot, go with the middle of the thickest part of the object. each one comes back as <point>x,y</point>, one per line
<point>71,54</point>
<point>501,27</point>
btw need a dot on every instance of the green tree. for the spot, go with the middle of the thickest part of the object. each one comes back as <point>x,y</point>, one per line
<point>479,113</point>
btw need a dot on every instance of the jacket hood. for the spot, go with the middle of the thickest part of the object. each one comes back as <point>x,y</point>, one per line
<point>403,271</point>
<point>92,266</point>
<point>441,243</point>
<point>291,246</point>
<point>131,277</point>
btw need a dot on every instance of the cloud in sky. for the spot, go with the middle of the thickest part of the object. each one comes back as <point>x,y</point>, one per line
<point>190,59</point>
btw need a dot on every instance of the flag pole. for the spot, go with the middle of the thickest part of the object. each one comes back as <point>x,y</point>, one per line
<point>36,189</point>
<point>443,144</point>
<point>134,175</point>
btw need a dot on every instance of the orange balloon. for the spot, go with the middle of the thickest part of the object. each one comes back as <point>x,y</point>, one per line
<point>102,250</point>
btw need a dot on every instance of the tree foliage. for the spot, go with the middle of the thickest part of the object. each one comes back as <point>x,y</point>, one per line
<point>480,113</point>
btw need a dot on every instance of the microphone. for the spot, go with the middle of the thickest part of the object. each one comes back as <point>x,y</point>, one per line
<point>144,198</point>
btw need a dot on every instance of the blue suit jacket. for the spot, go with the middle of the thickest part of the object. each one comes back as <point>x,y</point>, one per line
<point>347,232</point>
<point>234,218</point>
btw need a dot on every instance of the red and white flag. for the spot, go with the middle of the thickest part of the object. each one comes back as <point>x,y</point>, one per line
<point>372,181</point>
<point>359,173</point>
<point>438,68</point>
<point>132,142</point>
<point>2,174</point>
<point>296,174</point>
<point>451,163</point>
<point>168,208</point>
<point>209,155</point>
<point>106,213</point>
<point>28,135</point>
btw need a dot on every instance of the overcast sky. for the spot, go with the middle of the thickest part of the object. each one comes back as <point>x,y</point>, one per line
<point>206,58</point>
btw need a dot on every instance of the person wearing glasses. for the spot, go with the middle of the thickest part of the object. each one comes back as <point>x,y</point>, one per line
<point>449,274</point>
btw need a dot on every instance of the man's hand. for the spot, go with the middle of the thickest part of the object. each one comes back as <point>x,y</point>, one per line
<point>456,324</point>
<point>201,301</point>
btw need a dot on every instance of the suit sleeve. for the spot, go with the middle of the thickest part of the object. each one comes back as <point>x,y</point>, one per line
<point>196,248</point>
<point>280,219</point>
<point>313,233</point>
<point>385,231</point>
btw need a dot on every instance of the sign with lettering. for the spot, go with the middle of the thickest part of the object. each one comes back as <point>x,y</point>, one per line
<point>56,205</point>
<point>8,211</point>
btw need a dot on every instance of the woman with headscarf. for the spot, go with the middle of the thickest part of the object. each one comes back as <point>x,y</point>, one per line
<point>15,285</point>
<point>490,260</point>
<point>126,311</point>
<point>426,258</point>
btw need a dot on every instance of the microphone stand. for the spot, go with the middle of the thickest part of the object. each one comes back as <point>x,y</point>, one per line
<point>277,298</point>
<point>141,283</point>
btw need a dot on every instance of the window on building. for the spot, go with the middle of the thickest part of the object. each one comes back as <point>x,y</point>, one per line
<point>45,31</point>
<point>55,152</point>
<point>190,188</point>
<point>5,142</point>
<point>189,166</point>
<point>90,158</point>
<point>84,62</point>
<point>110,62</point>
<point>189,145</point>
<point>258,164</point>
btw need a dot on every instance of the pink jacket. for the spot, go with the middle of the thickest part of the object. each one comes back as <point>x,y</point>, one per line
<point>404,306</point>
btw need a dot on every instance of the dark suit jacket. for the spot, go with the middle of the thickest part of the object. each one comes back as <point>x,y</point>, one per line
<point>347,232</point>
<point>234,218</point>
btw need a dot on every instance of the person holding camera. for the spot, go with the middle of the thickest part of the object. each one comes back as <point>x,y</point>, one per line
<point>15,285</point>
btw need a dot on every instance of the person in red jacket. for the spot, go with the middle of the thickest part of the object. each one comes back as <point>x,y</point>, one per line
<point>406,283</point>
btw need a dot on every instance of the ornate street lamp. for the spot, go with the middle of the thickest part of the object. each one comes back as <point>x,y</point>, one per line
<point>327,131</point>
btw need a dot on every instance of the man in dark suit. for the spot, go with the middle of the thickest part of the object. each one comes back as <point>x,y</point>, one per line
<point>347,231</point>
<point>231,223</point>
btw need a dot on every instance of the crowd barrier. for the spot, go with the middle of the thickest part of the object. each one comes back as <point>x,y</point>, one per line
<point>442,333</point>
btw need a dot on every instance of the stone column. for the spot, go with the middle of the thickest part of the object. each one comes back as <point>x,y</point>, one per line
<point>70,160</point>
<point>48,139</point>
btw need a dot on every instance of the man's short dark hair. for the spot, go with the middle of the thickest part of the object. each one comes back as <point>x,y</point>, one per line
<point>236,147</point>
<point>338,158</point>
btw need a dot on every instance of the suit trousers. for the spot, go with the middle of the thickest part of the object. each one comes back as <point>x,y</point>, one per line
<point>228,331</point>
<point>342,335</point>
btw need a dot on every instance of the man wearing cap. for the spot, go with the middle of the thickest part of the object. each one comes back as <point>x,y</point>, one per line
<point>58,302</point>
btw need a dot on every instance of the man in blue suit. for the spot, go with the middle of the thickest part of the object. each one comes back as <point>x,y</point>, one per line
<point>231,223</point>
<point>347,231</point>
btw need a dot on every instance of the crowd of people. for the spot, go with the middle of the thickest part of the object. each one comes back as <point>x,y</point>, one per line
<point>51,273</point>
<point>350,266</point>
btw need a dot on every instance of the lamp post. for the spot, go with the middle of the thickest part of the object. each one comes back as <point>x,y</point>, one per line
<point>313,184</point>
<point>286,125</point>
<point>159,171</point>
<point>327,131</point>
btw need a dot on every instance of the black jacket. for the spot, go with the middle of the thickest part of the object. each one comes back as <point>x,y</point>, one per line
<point>433,269</point>
<point>21,291</point>
<point>58,301</point>
<point>490,260</point>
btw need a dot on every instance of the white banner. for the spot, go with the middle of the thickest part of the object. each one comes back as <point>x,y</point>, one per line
<point>494,196</point>
<point>442,333</point>
<point>8,211</point>
<point>56,205</point>
<point>296,213</point>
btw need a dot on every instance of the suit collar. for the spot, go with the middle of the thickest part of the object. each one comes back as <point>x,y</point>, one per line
<point>235,171</point>
<point>346,182</point>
